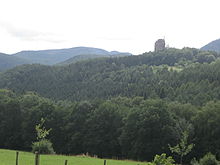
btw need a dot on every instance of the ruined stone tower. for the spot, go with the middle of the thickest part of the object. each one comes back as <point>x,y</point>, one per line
<point>159,45</point>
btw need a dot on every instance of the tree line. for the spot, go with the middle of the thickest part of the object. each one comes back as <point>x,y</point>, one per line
<point>122,127</point>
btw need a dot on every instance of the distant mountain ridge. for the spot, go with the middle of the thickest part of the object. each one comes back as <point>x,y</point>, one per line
<point>212,46</point>
<point>54,56</point>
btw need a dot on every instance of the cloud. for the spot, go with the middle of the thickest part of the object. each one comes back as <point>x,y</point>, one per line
<point>30,35</point>
<point>117,38</point>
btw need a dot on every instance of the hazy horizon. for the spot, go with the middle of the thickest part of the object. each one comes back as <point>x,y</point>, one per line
<point>117,25</point>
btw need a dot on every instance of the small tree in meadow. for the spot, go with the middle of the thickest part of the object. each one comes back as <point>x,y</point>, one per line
<point>183,148</point>
<point>183,130</point>
<point>42,146</point>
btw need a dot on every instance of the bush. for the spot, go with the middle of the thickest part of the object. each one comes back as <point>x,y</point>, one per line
<point>208,159</point>
<point>43,147</point>
<point>194,162</point>
<point>163,160</point>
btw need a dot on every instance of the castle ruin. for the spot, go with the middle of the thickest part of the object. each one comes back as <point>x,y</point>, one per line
<point>159,45</point>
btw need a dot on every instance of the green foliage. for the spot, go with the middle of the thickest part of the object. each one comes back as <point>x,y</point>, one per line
<point>194,162</point>
<point>43,147</point>
<point>208,159</point>
<point>207,129</point>
<point>41,130</point>
<point>128,128</point>
<point>186,75</point>
<point>132,110</point>
<point>145,126</point>
<point>96,137</point>
<point>182,148</point>
<point>163,160</point>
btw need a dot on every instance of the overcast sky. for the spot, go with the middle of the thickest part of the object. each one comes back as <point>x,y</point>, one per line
<point>123,25</point>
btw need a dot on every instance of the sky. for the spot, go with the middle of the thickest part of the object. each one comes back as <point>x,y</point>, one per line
<point>123,25</point>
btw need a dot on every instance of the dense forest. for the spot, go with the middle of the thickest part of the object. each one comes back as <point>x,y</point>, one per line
<point>186,75</point>
<point>126,107</point>
<point>121,127</point>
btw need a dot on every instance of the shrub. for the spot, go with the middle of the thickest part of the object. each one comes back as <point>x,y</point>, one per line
<point>208,159</point>
<point>194,162</point>
<point>43,147</point>
<point>163,160</point>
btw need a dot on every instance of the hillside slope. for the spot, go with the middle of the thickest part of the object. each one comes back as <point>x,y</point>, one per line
<point>81,58</point>
<point>88,57</point>
<point>8,61</point>
<point>212,46</point>
<point>143,75</point>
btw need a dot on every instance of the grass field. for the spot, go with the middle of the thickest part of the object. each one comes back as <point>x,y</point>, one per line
<point>7,157</point>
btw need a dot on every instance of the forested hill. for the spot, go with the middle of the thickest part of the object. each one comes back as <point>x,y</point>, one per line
<point>187,75</point>
<point>81,58</point>
<point>180,97</point>
<point>89,56</point>
<point>212,46</point>
<point>8,61</point>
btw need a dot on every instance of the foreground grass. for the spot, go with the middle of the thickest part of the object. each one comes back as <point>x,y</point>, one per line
<point>7,157</point>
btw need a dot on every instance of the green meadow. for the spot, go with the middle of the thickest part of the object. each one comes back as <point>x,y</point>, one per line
<point>7,157</point>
